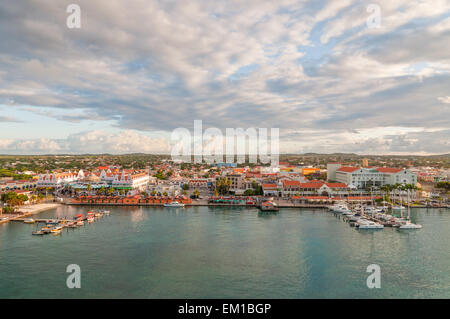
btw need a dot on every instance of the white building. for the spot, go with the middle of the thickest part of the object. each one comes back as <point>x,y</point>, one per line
<point>58,180</point>
<point>365,177</point>
<point>125,180</point>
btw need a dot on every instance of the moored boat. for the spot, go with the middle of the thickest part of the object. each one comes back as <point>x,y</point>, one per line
<point>56,230</point>
<point>174,204</point>
<point>269,206</point>
<point>29,221</point>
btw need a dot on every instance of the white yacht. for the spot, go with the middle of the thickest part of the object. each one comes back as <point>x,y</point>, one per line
<point>409,225</point>
<point>173,204</point>
<point>368,224</point>
<point>340,208</point>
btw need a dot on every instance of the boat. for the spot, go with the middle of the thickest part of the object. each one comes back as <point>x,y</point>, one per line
<point>173,204</point>
<point>269,206</point>
<point>98,215</point>
<point>105,212</point>
<point>398,207</point>
<point>56,230</point>
<point>47,229</point>
<point>409,225</point>
<point>29,221</point>
<point>368,224</point>
<point>80,222</point>
<point>340,208</point>
<point>38,232</point>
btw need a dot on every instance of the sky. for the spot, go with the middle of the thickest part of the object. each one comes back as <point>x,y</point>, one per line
<point>322,71</point>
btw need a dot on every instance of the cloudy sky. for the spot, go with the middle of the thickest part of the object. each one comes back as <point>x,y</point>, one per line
<point>318,70</point>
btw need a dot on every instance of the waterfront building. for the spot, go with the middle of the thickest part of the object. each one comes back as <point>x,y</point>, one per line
<point>58,180</point>
<point>270,189</point>
<point>131,180</point>
<point>12,185</point>
<point>362,177</point>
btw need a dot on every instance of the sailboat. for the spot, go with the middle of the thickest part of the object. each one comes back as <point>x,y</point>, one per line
<point>406,224</point>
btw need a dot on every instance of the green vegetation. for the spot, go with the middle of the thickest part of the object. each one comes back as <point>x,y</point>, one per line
<point>13,199</point>
<point>223,186</point>
<point>9,173</point>
<point>444,185</point>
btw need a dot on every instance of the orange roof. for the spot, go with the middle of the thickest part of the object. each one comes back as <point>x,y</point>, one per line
<point>291,183</point>
<point>347,169</point>
<point>269,185</point>
<point>312,185</point>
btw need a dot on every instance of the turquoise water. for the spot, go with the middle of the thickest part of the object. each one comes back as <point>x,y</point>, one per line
<point>206,252</point>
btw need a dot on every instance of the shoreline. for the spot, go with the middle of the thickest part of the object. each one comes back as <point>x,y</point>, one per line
<point>30,210</point>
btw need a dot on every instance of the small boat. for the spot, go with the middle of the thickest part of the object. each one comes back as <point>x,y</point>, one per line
<point>269,206</point>
<point>173,204</point>
<point>106,212</point>
<point>398,207</point>
<point>56,230</point>
<point>368,224</point>
<point>47,229</point>
<point>80,223</point>
<point>340,208</point>
<point>98,215</point>
<point>410,226</point>
<point>29,221</point>
<point>38,233</point>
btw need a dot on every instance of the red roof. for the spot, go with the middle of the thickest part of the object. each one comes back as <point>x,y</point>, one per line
<point>269,185</point>
<point>311,185</point>
<point>347,169</point>
<point>291,183</point>
<point>336,185</point>
<point>389,170</point>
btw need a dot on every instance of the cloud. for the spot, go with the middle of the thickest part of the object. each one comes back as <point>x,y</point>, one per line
<point>158,65</point>
<point>93,142</point>
<point>8,119</point>
<point>444,99</point>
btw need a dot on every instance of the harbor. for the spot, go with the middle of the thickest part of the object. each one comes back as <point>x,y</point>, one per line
<point>221,252</point>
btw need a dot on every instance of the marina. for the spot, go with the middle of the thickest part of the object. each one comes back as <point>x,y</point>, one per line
<point>55,226</point>
<point>224,252</point>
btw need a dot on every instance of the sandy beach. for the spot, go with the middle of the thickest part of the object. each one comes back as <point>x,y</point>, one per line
<point>28,210</point>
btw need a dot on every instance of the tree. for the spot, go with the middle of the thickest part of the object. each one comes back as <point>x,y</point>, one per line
<point>223,185</point>
<point>185,187</point>
<point>196,193</point>
<point>249,192</point>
